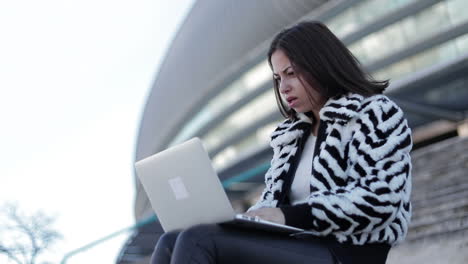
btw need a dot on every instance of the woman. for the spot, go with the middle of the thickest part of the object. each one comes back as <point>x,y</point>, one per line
<point>340,170</point>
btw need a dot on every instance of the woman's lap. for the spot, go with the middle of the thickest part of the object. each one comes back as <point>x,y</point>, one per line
<point>226,244</point>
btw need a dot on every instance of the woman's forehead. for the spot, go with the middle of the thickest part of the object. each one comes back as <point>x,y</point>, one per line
<point>280,62</point>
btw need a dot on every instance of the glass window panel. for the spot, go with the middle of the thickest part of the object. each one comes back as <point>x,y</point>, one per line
<point>259,75</point>
<point>381,74</point>
<point>224,157</point>
<point>379,44</point>
<point>427,22</point>
<point>344,23</point>
<point>253,141</point>
<point>394,71</point>
<point>435,55</point>
<point>375,45</point>
<point>457,10</point>
<point>401,34</point>
<point>252,112</point>
<point>203,117</point>
<point>360,53</point>
<point>249,81</point>
<point>369,10</point>
<point>462,44</point>
<point>362,13</point>
<point>441,53</point>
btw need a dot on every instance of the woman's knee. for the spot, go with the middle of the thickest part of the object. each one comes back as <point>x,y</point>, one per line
<point>168,239</point>
<point>164,247</point>
<point>196,243</point>
<point>198,235</point>
<point>199,231</point>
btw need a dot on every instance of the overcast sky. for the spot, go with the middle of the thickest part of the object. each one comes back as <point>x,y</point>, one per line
<point>74,76</point>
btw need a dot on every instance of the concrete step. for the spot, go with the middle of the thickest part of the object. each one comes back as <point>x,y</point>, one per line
<point>440,203</point>
<point>440,178</point>
<point>440,199</point>
<point>442,227</point>
<point>435,192</point>
<point>430,190</point>
<point>448,150</point>
<point>445,159</point>
<point>458,204</point>
<point>437,218</point>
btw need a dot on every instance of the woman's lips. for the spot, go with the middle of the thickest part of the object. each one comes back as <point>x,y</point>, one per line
<point>292,102</point>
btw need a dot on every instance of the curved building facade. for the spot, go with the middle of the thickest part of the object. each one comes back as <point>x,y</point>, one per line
<point>215,82</point>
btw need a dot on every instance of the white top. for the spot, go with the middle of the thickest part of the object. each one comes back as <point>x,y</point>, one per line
<point>300,188</point>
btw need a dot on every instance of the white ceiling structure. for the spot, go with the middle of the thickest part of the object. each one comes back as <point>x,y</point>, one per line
<point>217,39</point>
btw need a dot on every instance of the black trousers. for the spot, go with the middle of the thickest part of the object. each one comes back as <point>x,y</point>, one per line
<point>233,245</point>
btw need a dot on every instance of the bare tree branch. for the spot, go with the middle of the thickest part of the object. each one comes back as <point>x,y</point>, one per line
<point>32,234</point>
<point>9,254</point>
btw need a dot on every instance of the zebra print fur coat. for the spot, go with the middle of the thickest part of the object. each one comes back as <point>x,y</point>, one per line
<point>361,178</point>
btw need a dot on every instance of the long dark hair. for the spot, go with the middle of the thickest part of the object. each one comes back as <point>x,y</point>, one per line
<point>319,57</point>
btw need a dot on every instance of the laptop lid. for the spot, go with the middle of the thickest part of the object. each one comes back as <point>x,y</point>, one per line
<point>183,188</point>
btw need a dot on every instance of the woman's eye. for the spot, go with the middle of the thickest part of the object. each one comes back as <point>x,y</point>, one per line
<point>291,73</point>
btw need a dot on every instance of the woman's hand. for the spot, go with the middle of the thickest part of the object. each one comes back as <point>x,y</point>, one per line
<point>269,214</point>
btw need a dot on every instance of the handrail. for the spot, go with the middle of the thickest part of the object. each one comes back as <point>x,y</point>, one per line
<point>94,243</point>
<point>226,183</point>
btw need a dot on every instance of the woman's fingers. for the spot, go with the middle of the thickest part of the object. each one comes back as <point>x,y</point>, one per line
<point>269,214</point>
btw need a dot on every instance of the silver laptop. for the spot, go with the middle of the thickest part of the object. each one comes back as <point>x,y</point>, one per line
<point>184,190</point>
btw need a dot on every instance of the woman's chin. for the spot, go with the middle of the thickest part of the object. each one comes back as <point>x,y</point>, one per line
<point>301,110</point>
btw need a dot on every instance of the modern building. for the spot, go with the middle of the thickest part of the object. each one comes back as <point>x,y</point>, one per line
<point>215,82</point>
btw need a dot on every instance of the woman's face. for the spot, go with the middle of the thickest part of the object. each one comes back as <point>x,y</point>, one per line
<point>290,87</point>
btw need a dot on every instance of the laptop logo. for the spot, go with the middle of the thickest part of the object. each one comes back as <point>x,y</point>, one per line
<point>178,188</point>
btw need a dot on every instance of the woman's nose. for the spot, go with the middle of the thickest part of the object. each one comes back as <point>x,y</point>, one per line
<point>284,88</point>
